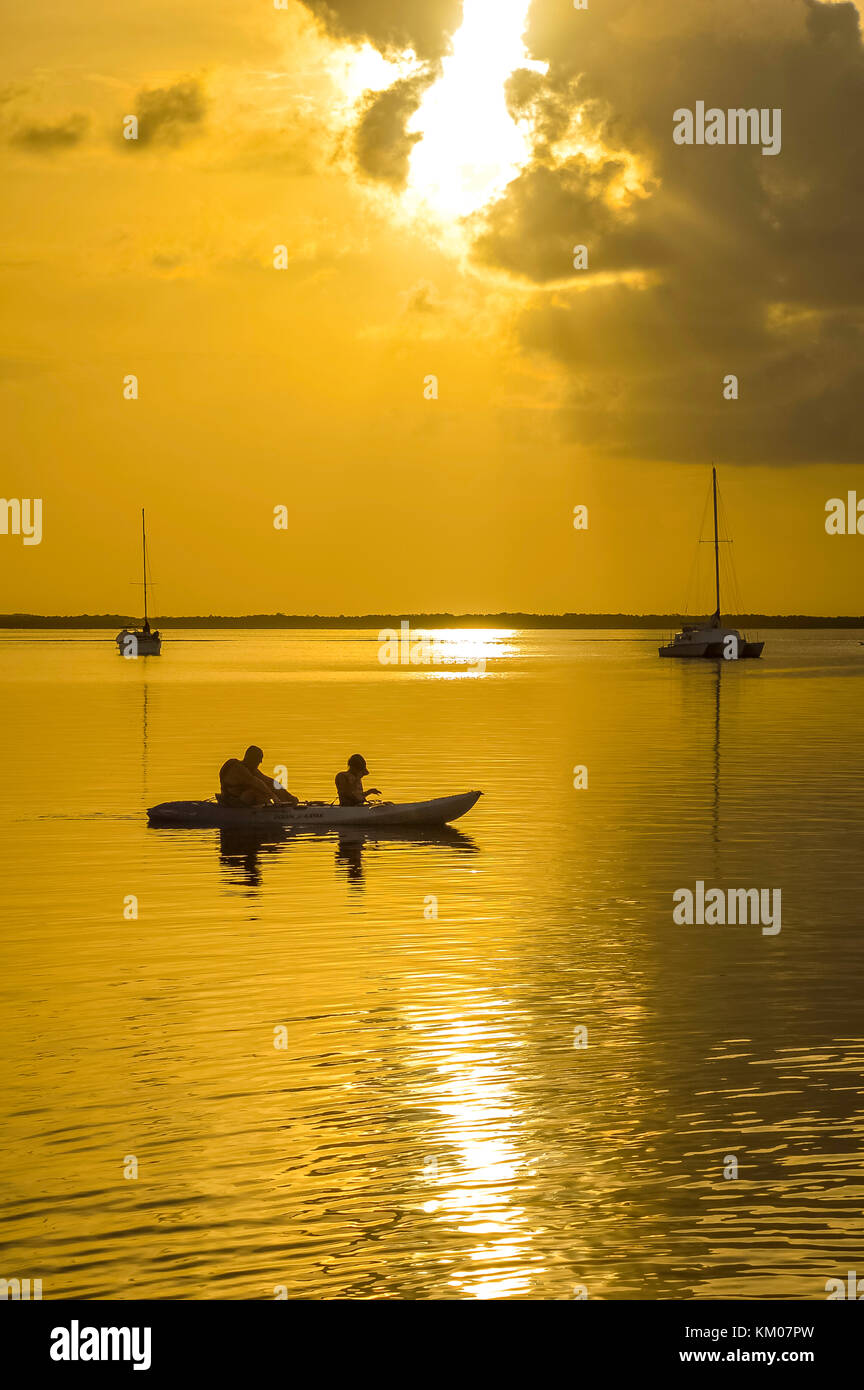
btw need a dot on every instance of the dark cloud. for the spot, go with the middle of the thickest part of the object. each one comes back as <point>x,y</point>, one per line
<point>533,230</point>
<point>168,114</point>
<point>832,23</point>
<point>382,146</point>
<point>52,136</point>
<point>529,96</point>
<point>752,263</point>
<point>647,370</point>
<point>422,298</point>
<point>424,25</point>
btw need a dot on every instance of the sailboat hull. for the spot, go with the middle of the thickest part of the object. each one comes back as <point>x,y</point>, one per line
<point>138,643</point>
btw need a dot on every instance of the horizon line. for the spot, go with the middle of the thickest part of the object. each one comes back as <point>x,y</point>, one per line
<point>23,620</point>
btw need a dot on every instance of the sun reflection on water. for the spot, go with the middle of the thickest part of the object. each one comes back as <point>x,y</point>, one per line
<point>480,1157</point>
<point>461,652</point>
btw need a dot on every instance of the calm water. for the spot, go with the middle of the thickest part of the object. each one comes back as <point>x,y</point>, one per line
<point>429,1128</point>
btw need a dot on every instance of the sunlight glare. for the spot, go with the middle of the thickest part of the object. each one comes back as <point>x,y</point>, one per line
<point>357,71</point>
<point>471,148</point>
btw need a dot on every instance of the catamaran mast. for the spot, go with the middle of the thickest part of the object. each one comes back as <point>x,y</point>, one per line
<point>716,544</point>
<point>144,559</point>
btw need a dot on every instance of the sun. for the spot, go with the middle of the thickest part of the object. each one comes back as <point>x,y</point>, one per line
<point>470,147</point>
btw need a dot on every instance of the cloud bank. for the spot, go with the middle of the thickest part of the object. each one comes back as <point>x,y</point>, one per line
<point>703,261</point>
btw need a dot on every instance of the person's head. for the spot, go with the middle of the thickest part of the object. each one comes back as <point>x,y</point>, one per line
<point>253,756</point>
<point>357,765</point>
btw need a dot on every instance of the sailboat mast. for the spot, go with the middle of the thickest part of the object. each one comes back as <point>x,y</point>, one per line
<point>144,561</point>
<point>716,543</point>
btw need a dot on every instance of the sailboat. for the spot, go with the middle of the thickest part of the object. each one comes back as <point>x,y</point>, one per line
<point>145,640</point>
<point>711,638</point>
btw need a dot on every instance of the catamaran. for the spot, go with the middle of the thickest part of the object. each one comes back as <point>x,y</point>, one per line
<point>711,638</point>
<point>145,640</point>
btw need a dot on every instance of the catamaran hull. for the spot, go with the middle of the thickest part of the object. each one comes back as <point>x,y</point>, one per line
<point>712,650</point>
<point>206,815</point>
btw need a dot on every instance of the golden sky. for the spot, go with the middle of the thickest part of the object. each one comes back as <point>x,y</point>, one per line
<point>429,169</point>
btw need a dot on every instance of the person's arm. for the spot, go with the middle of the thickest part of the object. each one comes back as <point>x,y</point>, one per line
<point>285,797</point>
<point>275,790</point>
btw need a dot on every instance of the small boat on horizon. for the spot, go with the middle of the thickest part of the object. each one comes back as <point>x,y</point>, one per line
<point>710,638</point>
<point>144,640</point>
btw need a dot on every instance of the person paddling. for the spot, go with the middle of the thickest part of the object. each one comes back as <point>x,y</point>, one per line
<point>349,784</point>
<point>243,784</point>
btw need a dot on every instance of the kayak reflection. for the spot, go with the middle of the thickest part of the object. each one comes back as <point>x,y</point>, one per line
<point>357,847</point>
<point>240,853</point>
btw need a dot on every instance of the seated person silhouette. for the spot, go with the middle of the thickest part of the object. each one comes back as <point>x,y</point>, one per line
<point>349,784</point>
<point>243,784</point>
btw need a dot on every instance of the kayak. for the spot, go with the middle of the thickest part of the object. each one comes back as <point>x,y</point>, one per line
<point>207,815</point>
